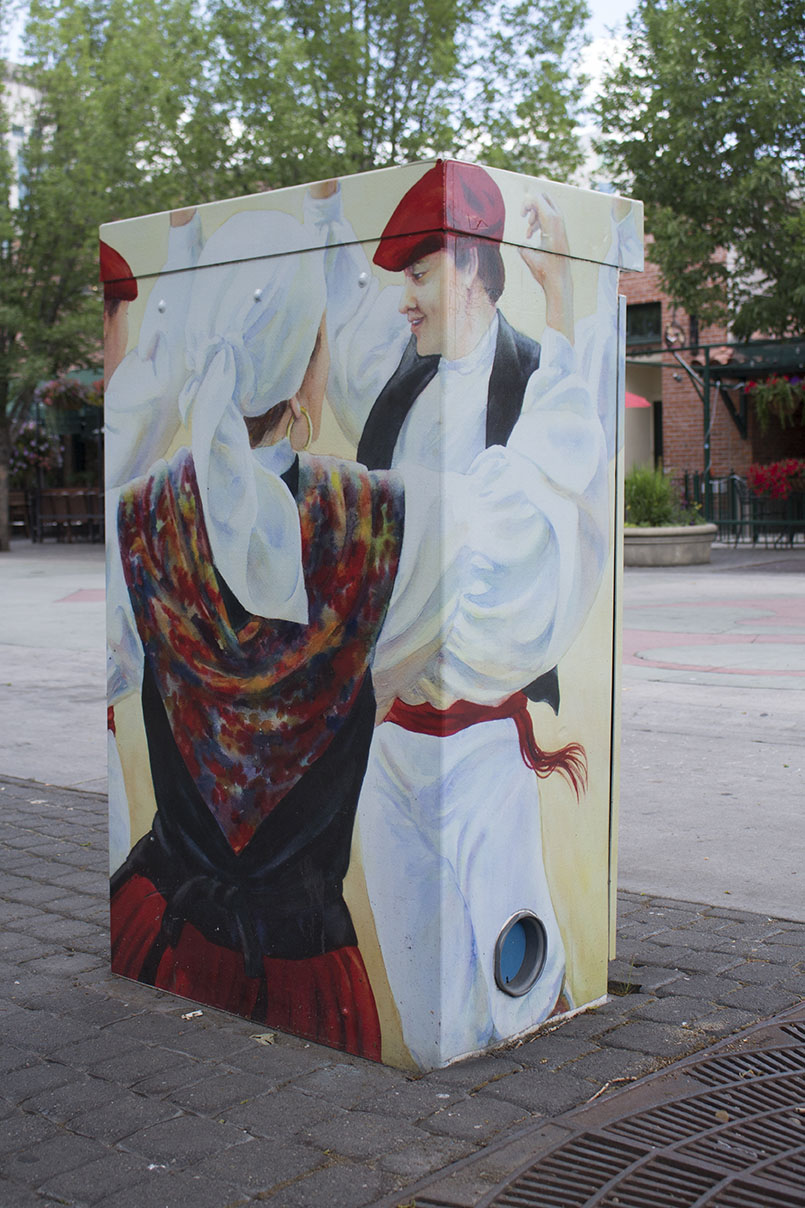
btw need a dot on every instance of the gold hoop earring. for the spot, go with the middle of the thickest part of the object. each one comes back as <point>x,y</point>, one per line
<point>291,423</point>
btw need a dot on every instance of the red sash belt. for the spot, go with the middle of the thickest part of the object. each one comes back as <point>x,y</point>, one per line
<point>425,719</point>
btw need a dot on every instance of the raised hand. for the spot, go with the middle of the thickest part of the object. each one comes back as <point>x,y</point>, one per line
<point>181,218</point>
<point>548,260</point>
<point>323,189</point>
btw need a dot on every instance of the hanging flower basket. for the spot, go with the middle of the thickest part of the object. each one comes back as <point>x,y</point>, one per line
<point>779,396</point>
<point>68,394</point>
<point>32,449</point>
<point>69,406</point>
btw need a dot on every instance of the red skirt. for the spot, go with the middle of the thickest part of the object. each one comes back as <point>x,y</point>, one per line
<point>325,998</point>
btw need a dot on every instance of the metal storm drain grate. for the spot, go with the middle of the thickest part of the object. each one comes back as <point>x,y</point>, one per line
<point>725,1130</point>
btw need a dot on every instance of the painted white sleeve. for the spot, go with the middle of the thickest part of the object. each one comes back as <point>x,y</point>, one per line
<point>124,652</point>
<point>141,413</point>
<point>499,566</point>
<point>597,334</point>
<point>367,334</point>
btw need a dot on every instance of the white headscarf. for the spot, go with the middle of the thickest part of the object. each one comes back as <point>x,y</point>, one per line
<point>251,329</point>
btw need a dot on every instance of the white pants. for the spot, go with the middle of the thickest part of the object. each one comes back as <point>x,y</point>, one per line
<point>452,848</point>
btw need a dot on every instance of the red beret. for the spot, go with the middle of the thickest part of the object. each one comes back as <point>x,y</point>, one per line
<point>451,197</point>
<point>116,275</point>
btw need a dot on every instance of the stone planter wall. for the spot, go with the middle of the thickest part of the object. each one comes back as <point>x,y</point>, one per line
<point>673,546</point>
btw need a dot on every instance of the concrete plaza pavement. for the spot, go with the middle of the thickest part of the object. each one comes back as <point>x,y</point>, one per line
<point>713,788</point>
<point>116,1095</point>
<point>52,664</point>
<point>712,785</point>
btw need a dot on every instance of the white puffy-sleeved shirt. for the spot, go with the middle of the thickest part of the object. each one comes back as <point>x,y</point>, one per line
<point>597,334</point>
<point>499,564</point>
<point>515,544</point>
<point>503,547</point>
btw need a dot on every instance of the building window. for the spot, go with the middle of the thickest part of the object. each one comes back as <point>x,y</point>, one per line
<point>694,332</point>
<point>644,323</point>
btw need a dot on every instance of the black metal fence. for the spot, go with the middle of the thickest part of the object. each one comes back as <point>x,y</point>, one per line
<point>743,516</point>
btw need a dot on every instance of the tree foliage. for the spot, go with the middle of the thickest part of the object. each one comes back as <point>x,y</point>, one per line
<point>316,89</point>
<point>325,89</point>
<point>704,119</point>
<point>110,95</point>
<point>520,109</point>
<point>132,106</point>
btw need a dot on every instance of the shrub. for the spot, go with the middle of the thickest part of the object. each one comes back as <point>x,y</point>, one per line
<point>652,500</point>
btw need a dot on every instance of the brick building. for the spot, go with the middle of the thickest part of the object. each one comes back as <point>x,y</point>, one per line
<point>672,429</point>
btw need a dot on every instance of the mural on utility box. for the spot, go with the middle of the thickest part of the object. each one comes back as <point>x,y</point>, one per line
<point>360,484</point>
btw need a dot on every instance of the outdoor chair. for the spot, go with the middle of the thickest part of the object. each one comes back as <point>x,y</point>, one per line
<point>18,513</point>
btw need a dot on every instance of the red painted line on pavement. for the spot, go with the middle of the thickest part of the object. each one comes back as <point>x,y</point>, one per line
<point>700,668</point>
<point>86,595</point>
<point>665,637</point>
<point>636,641</point>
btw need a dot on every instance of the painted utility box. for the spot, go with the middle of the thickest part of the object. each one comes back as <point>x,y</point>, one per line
<point>362,457</point>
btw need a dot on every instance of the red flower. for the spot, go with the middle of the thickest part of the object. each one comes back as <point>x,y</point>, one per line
<point>777,479</point>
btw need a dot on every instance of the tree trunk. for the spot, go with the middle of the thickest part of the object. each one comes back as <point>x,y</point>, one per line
<point>5,453</point>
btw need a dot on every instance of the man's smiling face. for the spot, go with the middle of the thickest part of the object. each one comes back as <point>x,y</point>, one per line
<point>426,301</point>
<point>445,303</point>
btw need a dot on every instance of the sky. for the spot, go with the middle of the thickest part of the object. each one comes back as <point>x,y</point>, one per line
<point>607,13</point>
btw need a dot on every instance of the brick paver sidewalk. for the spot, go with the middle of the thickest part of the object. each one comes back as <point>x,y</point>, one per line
<point>112,1096</point>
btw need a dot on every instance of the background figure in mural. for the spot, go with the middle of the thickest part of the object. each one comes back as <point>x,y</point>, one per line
<point>140,418</point>
<point>597,333</point>
<point>140,413</point>
<point>246,598</point>
<point>432,380</point>
<point>119,289</point>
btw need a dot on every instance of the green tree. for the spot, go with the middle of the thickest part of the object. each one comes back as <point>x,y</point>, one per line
<point>521,108</point>
<point>317,88</point>
<point>120,122</point>
<point>704,119</point>
<point>143,105</point>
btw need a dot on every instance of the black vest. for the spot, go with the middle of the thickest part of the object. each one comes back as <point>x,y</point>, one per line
<point>516,358</point>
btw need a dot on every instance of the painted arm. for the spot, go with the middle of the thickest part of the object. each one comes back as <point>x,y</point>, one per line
<point>367,332</point>
<point>597,333</point>
<point>141,413</point>
<point>549,261</point>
